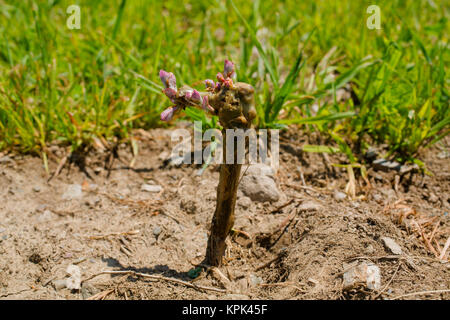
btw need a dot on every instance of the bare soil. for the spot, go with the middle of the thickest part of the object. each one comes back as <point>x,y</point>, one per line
<point>297,248</point>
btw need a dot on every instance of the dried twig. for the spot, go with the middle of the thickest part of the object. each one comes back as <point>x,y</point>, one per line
<point>282,284</point>
<point>277,209</point>
<point>101,295</point>
<point>156,277</point>
<point>444,250</point>
<point>427,243</point>
<point>389,282</point>
<point>114,234</point>
<point>221,278</point>
<point>278,257</point>
<point>420,292</point>
<point>59,168</point>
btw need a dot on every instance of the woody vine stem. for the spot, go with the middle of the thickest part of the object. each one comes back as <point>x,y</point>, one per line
<point>233,102</point>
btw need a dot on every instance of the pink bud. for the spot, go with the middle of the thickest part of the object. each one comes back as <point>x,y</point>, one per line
<point>209,84</point>
<point>167,114</point>
<point>196,97</point>
<point>168,79</point>
<point>170,93</point>
<point>187,94</point>
<point>220,77</point>
<point>228,69</point>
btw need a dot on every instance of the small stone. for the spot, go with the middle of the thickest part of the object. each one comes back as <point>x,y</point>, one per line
<point>409,168</point>
<point>364,273</point>
<point>59,284</point>
<point>156,231</point>
<point>378,177</point>
<point>151,188</point>
<point>259,169</point>
<point>73,191</point>
<point>309,206</point>
<point>245,202</point>
<point>6,159</point>
<point>93,187</point>
<point>385,165</point>
<point>433,198</point>
<point>380,164</point>
<point>378,198</point>
<point>339,196</point>
<point>371,153</point>
<point>74,280</point>
<point>391,245</point>
<point>394,165</point>
<point>255,280</point>
<point>47,215</point>
<point>260,188</point>
<point>444,154</point>
<point>242,285</point>
<point>98,170</point>
<point>37,189</point>
<point>370,249</point>
<point>164,155</point>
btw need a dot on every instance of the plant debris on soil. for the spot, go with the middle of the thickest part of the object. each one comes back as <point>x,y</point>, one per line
<point>136,227</point>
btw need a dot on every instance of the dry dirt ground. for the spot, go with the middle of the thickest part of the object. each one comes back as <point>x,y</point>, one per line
<point>297,248</point>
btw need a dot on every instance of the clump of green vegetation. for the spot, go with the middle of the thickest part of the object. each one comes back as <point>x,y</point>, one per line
<point>71,86</point>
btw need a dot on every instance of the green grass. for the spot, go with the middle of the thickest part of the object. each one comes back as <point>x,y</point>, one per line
<point>70,86</point>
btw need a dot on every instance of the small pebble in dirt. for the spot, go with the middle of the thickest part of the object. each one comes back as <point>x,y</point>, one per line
<point>73,191</point>
<point>74,281</point>
<point>391,245</point>
<point>59,284</point>
<point>150,188</point>
<point>259,185</point>
<point>433,198</point>
<point>245,202</point>
<point>370,249</point>
<point>339,196</point>
<point>156,231</point>
<point>6,159</point>
<point>47,215</point>
<point>378,198</point>
<point>371,153</point>
<point>366,273</point>
<point>255,280</point>
<point>97,170</point>
<point>37,189</point>
<point>309,206</point>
